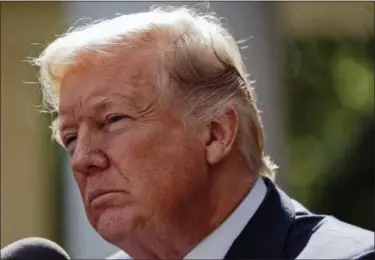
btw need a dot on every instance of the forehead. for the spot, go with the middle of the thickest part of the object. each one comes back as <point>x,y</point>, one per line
<point>100,76</point>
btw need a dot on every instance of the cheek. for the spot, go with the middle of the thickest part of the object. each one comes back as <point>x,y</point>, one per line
<point>158,162</point>
<point>81,183</point>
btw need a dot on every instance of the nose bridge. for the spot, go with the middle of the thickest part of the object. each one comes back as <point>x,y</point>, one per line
<point>83,156</point>
<point>84,145</point>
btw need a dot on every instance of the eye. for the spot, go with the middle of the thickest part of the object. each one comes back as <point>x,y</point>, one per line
<point>68,140</point>
<point>114,118</point>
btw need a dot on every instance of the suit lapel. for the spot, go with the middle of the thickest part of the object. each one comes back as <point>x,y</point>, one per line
<point>266,233</point>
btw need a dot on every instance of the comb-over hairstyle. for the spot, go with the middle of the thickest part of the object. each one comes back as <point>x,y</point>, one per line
<point>196,61</point>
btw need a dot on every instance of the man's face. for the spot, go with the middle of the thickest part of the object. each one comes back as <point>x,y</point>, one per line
<point>124,146</point>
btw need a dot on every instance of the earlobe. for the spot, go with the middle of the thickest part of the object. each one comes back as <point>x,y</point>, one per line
<point>222,135</point>
<point>215,152</point>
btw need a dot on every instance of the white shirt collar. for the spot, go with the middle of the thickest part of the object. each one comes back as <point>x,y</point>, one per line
<point>217,244</point>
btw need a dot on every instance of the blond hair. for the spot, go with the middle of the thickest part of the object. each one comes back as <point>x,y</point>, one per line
<point>197,60</point>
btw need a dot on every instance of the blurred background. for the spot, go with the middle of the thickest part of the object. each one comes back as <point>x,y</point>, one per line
<point>313,63</point>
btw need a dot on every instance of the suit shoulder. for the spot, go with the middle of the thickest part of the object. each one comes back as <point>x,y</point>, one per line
<point>347,233</point>
<point>332,238</point>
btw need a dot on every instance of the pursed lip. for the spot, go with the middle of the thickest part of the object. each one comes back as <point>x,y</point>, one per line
<point>97,193</point>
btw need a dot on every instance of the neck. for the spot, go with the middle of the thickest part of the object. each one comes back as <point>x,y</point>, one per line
<point>229,185</point>
<point>233,186</point>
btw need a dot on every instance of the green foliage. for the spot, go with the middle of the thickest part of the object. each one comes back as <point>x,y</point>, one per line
<point>330,91</point>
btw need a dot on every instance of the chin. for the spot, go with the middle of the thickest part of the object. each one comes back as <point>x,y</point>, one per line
<point>116,224</point>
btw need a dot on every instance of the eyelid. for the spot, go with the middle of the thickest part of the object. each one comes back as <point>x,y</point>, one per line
<point>111,116</point>
<point>66,138</point>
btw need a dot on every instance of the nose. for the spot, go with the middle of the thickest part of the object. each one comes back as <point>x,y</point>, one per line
<point>88,157</point>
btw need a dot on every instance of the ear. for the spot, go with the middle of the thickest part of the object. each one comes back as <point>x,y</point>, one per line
<point>221,136</point>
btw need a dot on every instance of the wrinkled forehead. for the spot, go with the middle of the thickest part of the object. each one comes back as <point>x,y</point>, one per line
<point>99,75</point>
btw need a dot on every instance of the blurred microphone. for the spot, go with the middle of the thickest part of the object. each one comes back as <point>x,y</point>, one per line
<point>33,248</point>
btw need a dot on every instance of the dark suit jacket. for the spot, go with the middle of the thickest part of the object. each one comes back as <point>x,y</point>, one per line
<point>282,228</point>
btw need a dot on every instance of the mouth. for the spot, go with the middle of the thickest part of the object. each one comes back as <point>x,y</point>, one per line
<point>99,193</point>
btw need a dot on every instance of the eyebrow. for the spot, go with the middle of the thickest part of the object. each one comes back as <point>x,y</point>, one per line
<point>103,102</point>
<point>100,103</point>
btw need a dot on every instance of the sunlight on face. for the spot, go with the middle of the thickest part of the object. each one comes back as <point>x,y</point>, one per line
<point>134,164</point>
